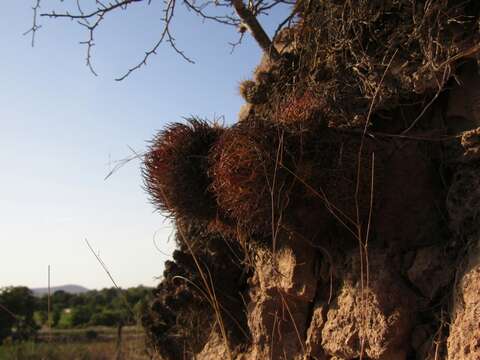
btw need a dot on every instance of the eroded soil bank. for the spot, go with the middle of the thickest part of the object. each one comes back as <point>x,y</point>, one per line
<point>339,218</point>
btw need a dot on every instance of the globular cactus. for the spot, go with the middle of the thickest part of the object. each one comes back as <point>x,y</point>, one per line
<point>175,170</point>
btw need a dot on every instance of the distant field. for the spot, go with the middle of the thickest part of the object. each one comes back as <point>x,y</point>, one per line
<point>98,333</point>
<point>77,345</point>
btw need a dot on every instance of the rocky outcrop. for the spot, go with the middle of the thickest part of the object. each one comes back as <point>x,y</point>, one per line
<point>372,316</point>
<point>464,208</point>
<point>282,290</point>
<point>464,339</point>
<point>340,216</point>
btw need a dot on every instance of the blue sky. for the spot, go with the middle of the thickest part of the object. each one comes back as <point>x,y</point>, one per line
<point>61,128</point>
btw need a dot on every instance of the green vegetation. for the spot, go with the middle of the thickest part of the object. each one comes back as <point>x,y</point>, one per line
<point>22,314</point>
<point>17,306</point>
<point>107,307</point>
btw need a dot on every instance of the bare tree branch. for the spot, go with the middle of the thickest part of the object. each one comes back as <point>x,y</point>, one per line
<point>33,30</point>
<point>235,13</point>
<point>101,11</point>
<point>261,7</point>
<point>90,41</point>
<point>238,42</point>
<point>165,35</point>
<point>199,10</point>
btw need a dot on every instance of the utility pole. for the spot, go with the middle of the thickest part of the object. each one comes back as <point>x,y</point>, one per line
<point>49,315</point>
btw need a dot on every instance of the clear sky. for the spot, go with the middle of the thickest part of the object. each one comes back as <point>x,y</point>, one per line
<point>61,128</point>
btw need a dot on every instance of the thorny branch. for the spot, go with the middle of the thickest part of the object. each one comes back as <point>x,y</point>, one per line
<point>234,13</point>
<point>166,35</point>
<point>33,30</point>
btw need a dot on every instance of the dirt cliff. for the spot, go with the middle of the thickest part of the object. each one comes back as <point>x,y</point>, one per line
<point>339,217</point>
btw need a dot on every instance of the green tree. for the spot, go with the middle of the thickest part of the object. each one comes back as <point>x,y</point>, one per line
<point>40,317</point>
<point>81,315</point>
<point>56,314</point>
<point>108,317</point>
<point>17,305</point>
<point>62,299</point>
<point>64,320</point>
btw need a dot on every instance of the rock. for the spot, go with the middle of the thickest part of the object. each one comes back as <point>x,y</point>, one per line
<point>463,110</point>
<point>464,338</point>
<point>471,143</point>
<point>291,271</point>
<point>463,199</point>
<point>277,324</point>
<point>314,349</point>
<point>463,205</point>
<point>214,348</point>
<point>431,271</point>
<point>420,335</point>
<point>380,316</point>
<point>410,179</point>
<point>283,288</point>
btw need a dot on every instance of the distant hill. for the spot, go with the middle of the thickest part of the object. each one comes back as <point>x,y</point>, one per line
<point>72,289</point>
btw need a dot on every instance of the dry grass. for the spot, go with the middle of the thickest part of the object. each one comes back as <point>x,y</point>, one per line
<point>340,52</point>
<point>132,349</point>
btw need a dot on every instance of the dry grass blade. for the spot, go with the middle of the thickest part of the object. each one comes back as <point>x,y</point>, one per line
<point>105,268</point>
<point>210,295</point>
<point>121,163</point>
<point>292,319</point>
<point>209,291</point>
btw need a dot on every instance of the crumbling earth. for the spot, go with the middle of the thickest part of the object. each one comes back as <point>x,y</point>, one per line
<point>339,218</point>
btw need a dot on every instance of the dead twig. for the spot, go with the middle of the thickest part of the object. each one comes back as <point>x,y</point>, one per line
<point>33,30</point>
<point>105,268</point>
<point>240,15</point>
